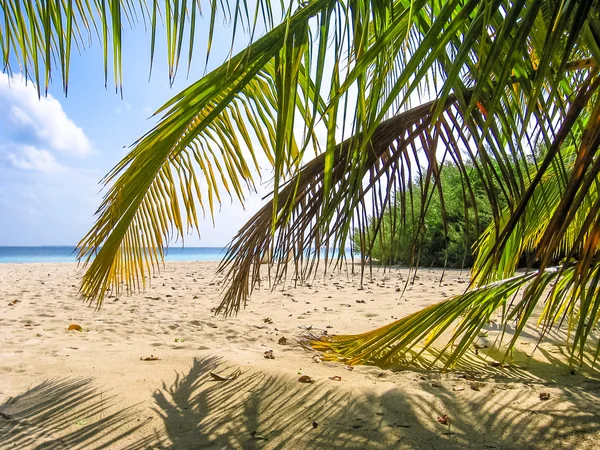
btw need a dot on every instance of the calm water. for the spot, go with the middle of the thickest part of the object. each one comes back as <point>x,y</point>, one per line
<point>65,254</point>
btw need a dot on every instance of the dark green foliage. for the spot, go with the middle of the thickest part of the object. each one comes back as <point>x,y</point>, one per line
<point>402,240</point>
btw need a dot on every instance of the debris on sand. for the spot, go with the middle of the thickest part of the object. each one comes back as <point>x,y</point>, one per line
<point>218,377</point>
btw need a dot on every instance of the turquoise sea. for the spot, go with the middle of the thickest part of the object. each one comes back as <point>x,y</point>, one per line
<point>67,254</point>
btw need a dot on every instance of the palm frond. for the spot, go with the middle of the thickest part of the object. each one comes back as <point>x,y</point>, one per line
<point>310,216</point>
<point>156,191</point>
<point>574,298</point>
<point>412,335</point>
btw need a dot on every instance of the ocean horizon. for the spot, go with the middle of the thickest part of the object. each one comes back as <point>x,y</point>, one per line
<point>67,253</point>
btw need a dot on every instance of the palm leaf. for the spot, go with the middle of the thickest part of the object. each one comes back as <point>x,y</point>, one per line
<point>203,128</point>
<point>305,219</point>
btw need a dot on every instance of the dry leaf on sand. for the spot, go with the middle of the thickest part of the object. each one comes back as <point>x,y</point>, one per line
<point>306,379</point>
<point>544,395</point>
<point>218,377</point>
<point>75,327</point>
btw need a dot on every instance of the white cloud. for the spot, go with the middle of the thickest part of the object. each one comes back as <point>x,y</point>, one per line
<point>20,116</point>
<point>43,117</point>
<point>38,160</point>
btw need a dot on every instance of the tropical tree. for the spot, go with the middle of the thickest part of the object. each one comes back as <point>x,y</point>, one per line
<point>441,241</point>
<point>377,92</point>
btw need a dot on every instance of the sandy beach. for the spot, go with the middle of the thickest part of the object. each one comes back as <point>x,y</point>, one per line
<point>91,389</point>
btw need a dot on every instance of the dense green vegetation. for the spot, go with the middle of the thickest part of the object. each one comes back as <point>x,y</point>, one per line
<point>446,234</point>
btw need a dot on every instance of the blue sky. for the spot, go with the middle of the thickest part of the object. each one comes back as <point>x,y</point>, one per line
<point>54,151</point>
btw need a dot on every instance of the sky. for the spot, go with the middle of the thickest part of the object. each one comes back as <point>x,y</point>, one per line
<point>55,150</point>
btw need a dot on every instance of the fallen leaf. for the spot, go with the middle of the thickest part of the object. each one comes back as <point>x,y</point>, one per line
<point>150,358</point>
<point>269,354</point>
<point>443,419</point>
<point>544,395</point>
<point>336,378</point>
<point>75,327</point>
<point>282,341</point>
<point>13,303</point>
<point>218,377</point>
<point>306,379</point>
<point>81,422</point>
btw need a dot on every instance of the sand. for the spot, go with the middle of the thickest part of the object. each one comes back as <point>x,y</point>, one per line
<point>63,389</point>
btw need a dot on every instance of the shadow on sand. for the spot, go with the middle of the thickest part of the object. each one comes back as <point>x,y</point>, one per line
<point>263,411</point>
<point>200,413</point>
<point>64,414</point>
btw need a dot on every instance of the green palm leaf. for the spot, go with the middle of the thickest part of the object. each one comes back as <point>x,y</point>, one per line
<point>202,129</point>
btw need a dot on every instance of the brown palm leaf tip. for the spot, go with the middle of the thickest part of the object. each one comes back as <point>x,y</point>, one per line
<point>303,222</point>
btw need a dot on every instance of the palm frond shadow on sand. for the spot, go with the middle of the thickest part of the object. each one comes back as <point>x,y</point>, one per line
<point>201,413</point>
<point>192,412</point>
<point>66,414</point>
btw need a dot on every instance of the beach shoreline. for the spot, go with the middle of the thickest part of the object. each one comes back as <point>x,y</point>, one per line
<point>102,388</point>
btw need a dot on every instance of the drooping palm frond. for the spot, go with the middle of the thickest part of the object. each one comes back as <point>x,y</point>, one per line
<point>383,54</point>
<point>574,298</point>
<point>311,216</point>
<point>565,294</point>
<point>156,191</point>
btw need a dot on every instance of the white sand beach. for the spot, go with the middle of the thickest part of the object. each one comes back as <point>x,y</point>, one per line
<point>63,389</point>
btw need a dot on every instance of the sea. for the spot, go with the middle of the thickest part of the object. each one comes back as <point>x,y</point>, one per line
<point>68,254</point>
